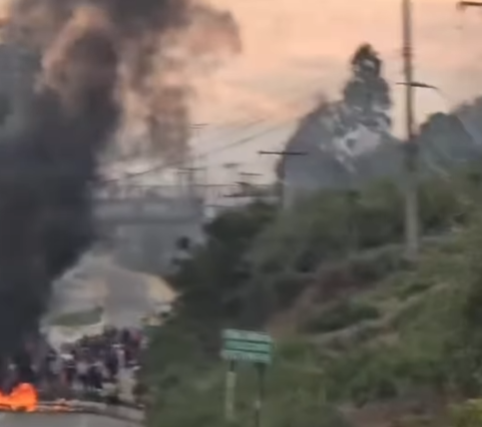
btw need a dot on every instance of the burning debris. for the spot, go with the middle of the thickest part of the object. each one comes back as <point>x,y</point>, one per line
<point>105,64</point>
<point>22,398</point>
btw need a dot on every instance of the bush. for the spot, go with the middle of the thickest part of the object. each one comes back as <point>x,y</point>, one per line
<point>310,414</point>
<point>413,288</point>
<point>255,262</point>
<point>288,289</point>
<point>375,266</point>
<point>468,414</point>
<point>341,316</point>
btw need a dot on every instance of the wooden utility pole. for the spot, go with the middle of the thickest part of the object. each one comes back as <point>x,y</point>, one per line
<point>412,225</point>
<point>410,147</point>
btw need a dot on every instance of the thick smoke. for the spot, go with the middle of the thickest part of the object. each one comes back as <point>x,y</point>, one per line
<point>99,59</point>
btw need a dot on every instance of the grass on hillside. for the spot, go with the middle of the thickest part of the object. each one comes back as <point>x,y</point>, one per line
<point>390,342</point>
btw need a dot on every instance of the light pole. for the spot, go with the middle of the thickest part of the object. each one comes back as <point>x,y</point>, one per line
<point>410,147</point>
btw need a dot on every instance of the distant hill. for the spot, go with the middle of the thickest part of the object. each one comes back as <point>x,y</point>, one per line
<point>446,141</point>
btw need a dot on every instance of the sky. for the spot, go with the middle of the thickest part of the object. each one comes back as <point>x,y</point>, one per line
<point>296,51</point>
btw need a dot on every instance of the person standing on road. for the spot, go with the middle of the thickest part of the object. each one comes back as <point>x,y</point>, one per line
<point>120,355</point>
<point>95,379</point>
<point>112,365</point>
<point>69,370</point>
<point>82,374</point>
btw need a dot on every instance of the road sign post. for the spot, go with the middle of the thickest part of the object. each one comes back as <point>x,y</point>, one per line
<point>246,346</point>
<point>261,369</point>
<point>230,392</point>
<point>250,347</point>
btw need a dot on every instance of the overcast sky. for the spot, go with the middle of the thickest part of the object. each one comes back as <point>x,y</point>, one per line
<point>291,51</point>
<point>296,50</point>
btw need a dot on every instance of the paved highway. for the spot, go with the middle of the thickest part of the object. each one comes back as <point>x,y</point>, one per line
<point>60,420</point>
<point>126,296</point>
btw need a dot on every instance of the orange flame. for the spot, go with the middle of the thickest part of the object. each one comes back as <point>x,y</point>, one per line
<point>23,397</point>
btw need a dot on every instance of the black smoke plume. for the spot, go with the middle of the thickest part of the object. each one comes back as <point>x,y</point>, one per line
<point>91,52</point>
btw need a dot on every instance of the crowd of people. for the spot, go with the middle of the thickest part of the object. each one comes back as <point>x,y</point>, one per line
<point>93,365</point>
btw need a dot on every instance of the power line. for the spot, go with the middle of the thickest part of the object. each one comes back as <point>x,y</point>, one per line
<point>241,123</point>
<point>217,150</point>
<point>164,165</point>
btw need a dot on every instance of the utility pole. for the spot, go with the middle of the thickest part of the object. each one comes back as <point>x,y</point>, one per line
<point>282,171</point>
<point>410,147</point>
<point>412,225</point>
<point>261,371</point>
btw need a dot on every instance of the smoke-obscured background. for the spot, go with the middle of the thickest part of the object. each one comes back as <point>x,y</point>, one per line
<point>109,71</point>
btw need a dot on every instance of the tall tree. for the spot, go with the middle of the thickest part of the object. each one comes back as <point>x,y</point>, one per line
<point>342,136</point>
<point>366,94</point>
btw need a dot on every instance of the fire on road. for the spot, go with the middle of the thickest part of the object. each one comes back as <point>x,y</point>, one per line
<point>21,408</point>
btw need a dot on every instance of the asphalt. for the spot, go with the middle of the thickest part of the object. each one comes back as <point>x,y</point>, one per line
<point>60,420</point>
<point>126,296</point>
<point>127,300</point>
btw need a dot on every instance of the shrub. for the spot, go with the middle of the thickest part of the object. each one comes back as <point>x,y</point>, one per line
<point>311,414</point>
<point>468,414</point>
<point>340,316</point>
<point>413,288</point>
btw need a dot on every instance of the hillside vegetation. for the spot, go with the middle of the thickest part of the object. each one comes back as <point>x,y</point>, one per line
<point>362,337</point>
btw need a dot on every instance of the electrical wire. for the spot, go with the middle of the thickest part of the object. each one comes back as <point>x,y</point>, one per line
<point>216,150</point>
<point>293,103</point>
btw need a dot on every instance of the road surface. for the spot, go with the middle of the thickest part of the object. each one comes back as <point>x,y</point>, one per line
<point>60,420</point>
<point>126,296</point>
<point>127,299</point>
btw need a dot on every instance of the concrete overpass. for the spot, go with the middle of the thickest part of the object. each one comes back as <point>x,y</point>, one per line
<point>143,231</point>
<point>147,210</point>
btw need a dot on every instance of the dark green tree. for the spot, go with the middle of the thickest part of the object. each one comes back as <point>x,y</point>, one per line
<point>450,140</point>
<point>210,281</point>
<point>366,94</point>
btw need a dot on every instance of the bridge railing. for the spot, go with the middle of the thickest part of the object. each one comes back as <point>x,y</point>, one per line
<point>205,192</point>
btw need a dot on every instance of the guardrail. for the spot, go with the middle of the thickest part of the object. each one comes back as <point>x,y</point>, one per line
<point>95,397</point>
<point>102,409</point>
<point>59,407</point>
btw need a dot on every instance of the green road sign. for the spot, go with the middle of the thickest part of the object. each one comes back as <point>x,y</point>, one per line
<point>246,346</point>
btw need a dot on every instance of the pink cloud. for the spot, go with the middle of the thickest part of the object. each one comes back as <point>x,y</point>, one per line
<point>307,43</point>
